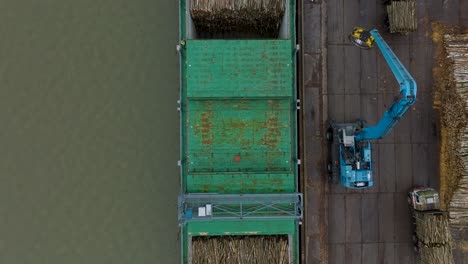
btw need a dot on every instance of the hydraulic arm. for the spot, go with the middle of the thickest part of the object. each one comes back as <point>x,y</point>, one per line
<point>408,87</point>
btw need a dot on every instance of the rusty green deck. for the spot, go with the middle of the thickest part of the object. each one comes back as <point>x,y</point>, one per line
<point>240,123</point>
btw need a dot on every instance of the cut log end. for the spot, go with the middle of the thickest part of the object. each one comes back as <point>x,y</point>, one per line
<point>219,16</point>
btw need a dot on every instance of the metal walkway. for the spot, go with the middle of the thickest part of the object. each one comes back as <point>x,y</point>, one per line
<point>207,207</point>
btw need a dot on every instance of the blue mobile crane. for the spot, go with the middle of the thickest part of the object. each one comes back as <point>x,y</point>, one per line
<point>350,153</point>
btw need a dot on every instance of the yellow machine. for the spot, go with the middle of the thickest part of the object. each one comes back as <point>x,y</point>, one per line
<point>362,38</point>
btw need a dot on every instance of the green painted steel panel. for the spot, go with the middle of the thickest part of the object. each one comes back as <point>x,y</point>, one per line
<point>241,183</point>
<point>239,136</point>
<point>239,68</point>
<point>246,227</point>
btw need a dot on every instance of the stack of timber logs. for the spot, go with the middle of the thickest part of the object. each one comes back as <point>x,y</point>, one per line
<point>402,16</point>
<point>214,16</point>
<point>435,255</point>
<point>451,98</point>
<point>456,46</point>
<point>432,229</point>
<point>434,237</point>
<point>240,249</point>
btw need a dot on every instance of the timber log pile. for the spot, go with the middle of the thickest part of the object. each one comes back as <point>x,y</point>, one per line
<point>215,16</point>
<point>435,255</point>
<point>432,229</point>
<point>451,98</point>
<point>240,249</point>
<point>402,16</point>
<point>456,46</point>
<point>434,237</point>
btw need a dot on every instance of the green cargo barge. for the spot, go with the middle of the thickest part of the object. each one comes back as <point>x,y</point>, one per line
<point>239,161</point>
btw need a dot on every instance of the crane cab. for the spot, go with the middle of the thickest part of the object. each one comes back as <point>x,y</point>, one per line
<point>350,160</point>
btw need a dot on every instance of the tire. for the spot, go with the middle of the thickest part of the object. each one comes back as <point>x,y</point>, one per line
<point>329,136</point>
<point>329,168</point>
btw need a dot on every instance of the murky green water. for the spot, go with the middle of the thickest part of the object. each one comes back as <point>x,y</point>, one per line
<point>88,131</point>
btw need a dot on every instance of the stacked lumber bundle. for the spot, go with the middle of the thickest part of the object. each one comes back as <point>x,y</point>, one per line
<point>214,16</point>
<point>456,46</point>
<point>240,249</point>
<point>402,16</point>
<point>432,229</point>
<point>434,237</point>
<point>435,255</point>
<point>451,98</point>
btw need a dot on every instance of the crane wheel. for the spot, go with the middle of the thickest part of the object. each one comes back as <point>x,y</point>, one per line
<point>362,38</point>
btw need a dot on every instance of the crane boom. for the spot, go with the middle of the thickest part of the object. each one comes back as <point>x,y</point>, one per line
<point>408,90</point>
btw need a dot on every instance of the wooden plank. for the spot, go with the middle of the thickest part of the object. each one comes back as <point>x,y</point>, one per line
<point>403,130</point>
<point>352,107</point>
<point>335,22</point>
<point>311,112</point>
<point>422,124</point>
<point>387,168</point>
<point>403,226</point>
<point>313,248</point>
<point>421,69</point>
<point>386,217</point>
<point>353,253</point>
<point>350,17</point>
<point>387,253</point>
<point>370,218</point>
<point>369,109</point>
<point>336,107</point>
<point>403,168</point>
<point>370,253</point>
<point>433,166</point>
<point>312,70</point>
<point>352,61</point>
<point>336,218</point>
<point>353,218</point>
<point>336,253</point>
<point>335,70</point>
<point>368,14</point>
<point>420,157</point>
<point>311,36</point>
<point>337,188</point>
<point>404,253</point>
<point>451,14</point>
<point>421,63</point>
<point>420,40</point>
<point>314,244</point>
<point>463,15</point>
<point>369,72</point>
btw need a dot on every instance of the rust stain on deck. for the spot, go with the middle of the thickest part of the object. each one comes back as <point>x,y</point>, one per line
<point>205,126</point>
<point>273,132</point>
<point>272,135</point>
